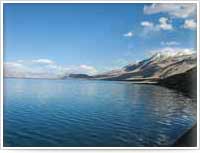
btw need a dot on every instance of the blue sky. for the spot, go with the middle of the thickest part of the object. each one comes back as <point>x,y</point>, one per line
<point>101,36</point>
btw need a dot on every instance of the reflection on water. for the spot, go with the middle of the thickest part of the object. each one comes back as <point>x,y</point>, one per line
<point>93,113</point>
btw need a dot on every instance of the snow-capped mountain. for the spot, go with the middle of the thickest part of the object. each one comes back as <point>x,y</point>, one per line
<point>159,65</point>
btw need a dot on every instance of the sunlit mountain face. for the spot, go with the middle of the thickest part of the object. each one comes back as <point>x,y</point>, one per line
<point>160,64</point>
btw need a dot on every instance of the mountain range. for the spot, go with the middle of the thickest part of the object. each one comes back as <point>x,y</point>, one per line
<point>160,65</point>
<point>177,71</point>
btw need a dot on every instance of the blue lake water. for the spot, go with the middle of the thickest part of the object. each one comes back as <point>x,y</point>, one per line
<point>82,113</point>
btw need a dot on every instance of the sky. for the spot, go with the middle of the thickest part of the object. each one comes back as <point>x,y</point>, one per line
<point>46,39</point>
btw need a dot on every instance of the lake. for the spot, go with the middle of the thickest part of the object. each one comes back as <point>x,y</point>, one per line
<point>83,113</point>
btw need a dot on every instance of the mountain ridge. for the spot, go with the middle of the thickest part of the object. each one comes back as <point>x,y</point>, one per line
<point>177,71</point>
<point>153,67</point>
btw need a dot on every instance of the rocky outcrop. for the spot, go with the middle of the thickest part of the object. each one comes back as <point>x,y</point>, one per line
<point>185,82</point>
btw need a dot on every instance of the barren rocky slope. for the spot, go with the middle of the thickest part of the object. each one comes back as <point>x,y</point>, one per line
<point>160,65</point>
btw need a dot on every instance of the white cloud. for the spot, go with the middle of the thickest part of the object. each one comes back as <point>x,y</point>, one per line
<point>43,68</point>
<point>164,24</point>
<point>13,64</point>
<point>149,27</point>
<point>170,43</point>
<point>88,69</point>
<point>190,24</point>
<point>32,69</point>
<point>43,61</point>
<point>183,10</point>
<point>147,24</point>
<point>14,69</point>
<point>129,34</point>
<point>172,51</point>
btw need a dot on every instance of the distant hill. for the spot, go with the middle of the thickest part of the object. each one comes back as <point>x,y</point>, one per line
<point>77,76</point>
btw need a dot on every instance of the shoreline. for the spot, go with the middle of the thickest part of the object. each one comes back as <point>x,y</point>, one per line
<point>188,139</point>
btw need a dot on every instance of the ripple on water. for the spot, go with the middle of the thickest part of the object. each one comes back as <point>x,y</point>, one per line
<point>93,113</point>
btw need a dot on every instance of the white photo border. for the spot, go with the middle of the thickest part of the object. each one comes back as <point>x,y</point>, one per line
<point>101,148</point>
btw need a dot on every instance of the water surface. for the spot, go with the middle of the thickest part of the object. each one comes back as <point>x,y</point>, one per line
<point>77,113</point>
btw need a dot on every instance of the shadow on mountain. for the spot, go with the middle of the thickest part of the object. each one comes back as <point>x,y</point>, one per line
<point>185,82</point>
